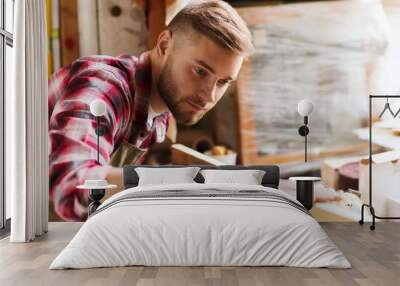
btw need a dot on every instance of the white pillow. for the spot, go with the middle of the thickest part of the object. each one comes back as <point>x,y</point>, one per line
<point>162,176</point>
<point>249,177</point>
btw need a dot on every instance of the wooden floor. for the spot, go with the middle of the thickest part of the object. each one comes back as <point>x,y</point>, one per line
<point>375,257</point>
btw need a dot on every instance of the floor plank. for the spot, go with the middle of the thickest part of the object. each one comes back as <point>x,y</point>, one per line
<point>375,257</point>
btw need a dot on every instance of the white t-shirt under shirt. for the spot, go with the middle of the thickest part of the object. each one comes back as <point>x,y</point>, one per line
<point>151,114</point>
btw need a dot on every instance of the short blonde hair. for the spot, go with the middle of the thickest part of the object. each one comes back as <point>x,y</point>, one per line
<point>216,20</point>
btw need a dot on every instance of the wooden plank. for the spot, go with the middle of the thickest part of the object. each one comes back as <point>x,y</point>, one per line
<point>55,34</point>
<point>156,20</point>
<point>50,52</point>
<point>183,155</point>
<point>122,27</point>
<point>356,149</point>
<point>247,152</point>
<point>88,29</point>
<point>69,31</point>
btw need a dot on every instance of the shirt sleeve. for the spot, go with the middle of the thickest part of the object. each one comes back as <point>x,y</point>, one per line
<point>73,141</point>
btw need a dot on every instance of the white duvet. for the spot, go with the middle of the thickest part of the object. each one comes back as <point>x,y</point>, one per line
<point>183,231</point>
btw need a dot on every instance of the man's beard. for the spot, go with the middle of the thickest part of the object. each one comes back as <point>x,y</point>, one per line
<point>168,91</point>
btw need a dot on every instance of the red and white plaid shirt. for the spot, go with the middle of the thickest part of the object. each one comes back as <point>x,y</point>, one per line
<point>124,84</point>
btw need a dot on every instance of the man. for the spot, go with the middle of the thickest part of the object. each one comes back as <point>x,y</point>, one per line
<point>186,73</point>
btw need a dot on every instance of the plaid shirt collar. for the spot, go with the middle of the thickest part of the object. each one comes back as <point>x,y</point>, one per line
<point>142,86</point>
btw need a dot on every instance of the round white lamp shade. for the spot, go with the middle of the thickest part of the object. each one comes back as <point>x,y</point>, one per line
<point>97,107</point>
<point>305,107</point>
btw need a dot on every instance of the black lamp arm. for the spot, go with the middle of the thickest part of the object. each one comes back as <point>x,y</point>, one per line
<point>99,132</point>
<point>303,131</point>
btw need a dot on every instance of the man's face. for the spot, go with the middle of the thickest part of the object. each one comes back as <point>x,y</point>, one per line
<point>195,76</point>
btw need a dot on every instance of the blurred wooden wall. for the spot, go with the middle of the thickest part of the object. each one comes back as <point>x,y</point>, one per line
<point>158,14</point>
<point>69,37</point>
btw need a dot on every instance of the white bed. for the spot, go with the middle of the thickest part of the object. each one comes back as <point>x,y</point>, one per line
<point>251,225</point>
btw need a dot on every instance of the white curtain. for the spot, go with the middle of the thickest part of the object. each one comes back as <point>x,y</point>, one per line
<point>26,117</point>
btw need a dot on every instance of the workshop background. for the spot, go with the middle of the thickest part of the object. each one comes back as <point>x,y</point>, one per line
<point>333,53</point>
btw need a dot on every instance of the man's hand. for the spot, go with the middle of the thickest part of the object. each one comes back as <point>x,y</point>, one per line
<point>114,177</point>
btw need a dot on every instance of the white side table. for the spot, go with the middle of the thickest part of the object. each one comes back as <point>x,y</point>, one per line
<point>96,193</point>
<point>305,190</point>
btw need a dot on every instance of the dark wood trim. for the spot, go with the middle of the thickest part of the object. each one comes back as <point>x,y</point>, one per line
<point>156,20</point>
<point>69,38</point>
